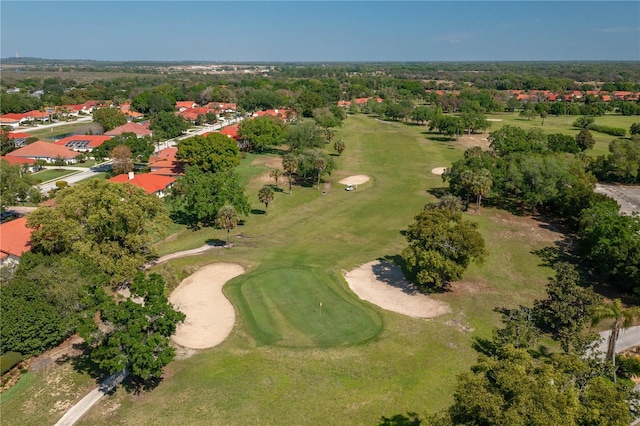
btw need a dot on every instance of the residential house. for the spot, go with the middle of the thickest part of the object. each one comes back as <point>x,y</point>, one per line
<point>47,151</point>
<point>141,130</point>
<point>83,143</point>
<point>11,120</point>
<point>182,105</point>
<point>19,139</point>
<point>166,164</point>
<point>152,183</point>
<point>27,163</point>
<point>284,114</point>
<point>15,239</point>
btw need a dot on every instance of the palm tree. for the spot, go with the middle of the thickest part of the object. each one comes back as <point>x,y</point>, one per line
<point>265,195</point>
<point>481,183</point>
<point>319,164</point>
<point>339,146</point>
<point>289,164</point>
<point>623,318</point>
<point>275,174</point>
<point>227,218</point>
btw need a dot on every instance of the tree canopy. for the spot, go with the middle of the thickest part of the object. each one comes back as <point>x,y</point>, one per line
<point>262,132</point>
<point>134,335</point>
<point>211,154</point>
<point>109,223</point>
<point>109,118</point>
<point>441,246</point>
<point>197,196</point>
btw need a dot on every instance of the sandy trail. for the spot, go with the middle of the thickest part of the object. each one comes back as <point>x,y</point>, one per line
<point>383,284</point>
<point>210,316</point>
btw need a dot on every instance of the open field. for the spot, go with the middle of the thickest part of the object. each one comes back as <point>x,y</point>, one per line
<point>284,363</point>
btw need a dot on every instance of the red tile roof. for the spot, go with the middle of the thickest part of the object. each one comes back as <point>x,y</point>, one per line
<point>138,129</point>
<point>18,135</point>
<point>185,104</point>
<point>41,149</point>
<point>231,131</point>
<point>18,160</point>
<point>151,183</point>
<point>92,141</point>
<point>165,154</point>
<point>15,237</point>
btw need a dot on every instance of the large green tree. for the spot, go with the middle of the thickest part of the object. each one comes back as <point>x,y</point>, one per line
<point>109,118</point>
<point>441,246</point>
<point>262,132</point>
<point>167,125</point>
<point>134,334</point>
<point>513,388</point>
<point>110,224</point>
<point>290,165</point>
<point>610,243</point>
<point>14,184</point>
<point>197,196</point>
<point>211,154</point>
<point>305,135</point>
<point>566,310</point>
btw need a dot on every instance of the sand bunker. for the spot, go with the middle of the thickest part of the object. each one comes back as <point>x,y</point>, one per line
<point>355,180</point>
<point>383,284</point>
<point>438,170</point>
<point>210,316</point>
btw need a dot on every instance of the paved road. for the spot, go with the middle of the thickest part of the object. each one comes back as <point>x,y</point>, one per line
<point>83,173</point>
<point>628,196</point>
<point>73,415</point>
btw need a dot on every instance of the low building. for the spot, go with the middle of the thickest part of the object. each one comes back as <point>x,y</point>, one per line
<point>47,151</point>
<point>140,130</point>
<point>82,143</point>
<point>155,184</point>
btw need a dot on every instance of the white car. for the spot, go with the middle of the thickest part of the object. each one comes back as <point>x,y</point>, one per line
<point>349,188</point>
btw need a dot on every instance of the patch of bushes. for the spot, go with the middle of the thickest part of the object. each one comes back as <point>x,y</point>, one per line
<point>614,131</point>
<point>9,360</point>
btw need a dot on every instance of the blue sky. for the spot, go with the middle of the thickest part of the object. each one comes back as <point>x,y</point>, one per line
<point>321,31</point>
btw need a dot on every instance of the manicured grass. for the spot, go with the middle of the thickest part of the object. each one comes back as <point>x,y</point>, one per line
<point>299,307</point>
<point>51,174</point>
<point>288,365</point>
<point>52,132</point>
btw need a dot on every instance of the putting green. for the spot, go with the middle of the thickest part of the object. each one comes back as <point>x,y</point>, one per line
<point>302,307</point>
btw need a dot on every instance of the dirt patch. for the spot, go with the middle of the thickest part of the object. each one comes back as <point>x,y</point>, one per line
<point>210,316</point>
<point>438,170</point>
<point>355,180</point>
<point>273,162</point>
<point>70,348</point>
<point>526,228</point>
<point>383,284</point>
<point>466,287</point>
<point>475,139</point>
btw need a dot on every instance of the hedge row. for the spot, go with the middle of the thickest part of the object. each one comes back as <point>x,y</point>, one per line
<point>614,131</point>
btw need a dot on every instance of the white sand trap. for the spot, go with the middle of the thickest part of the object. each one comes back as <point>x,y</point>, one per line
<point>383,284</point>
<point>210,316</point>
<point>355,180</point>
<point>494,119</point>
<point>438,170</point>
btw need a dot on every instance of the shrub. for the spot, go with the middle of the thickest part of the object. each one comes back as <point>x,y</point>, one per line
<point>614,131</point>
<point>9,360</point>
<point>61,184</point>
